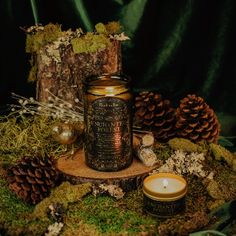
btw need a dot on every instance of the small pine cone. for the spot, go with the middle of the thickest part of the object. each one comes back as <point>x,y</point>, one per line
<point>196,120</point>
<point>155,114</point>
<point>32,178</point>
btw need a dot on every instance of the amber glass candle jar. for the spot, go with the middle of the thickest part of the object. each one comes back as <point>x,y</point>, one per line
<point>108,122</point>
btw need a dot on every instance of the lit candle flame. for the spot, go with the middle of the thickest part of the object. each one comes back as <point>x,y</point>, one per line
<point>165,183</point>
<point>109,91</point>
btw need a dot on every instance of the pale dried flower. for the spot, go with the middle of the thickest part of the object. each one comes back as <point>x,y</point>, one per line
<point>56,108</point>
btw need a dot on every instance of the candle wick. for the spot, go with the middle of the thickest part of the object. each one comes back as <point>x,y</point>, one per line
<point>165,183</point>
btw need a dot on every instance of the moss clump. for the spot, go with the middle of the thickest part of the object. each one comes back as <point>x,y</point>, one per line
<point>197,196</point>
<point>212,205</point>
<point>38,38</point>
<point>25,136</point>
<point>32,74</point>
<point>221,153</point>
<point>184,224</point>
<point>222,187</point>
<point>133,200</point>
<point>163,151</point>
<point>90,43</point>
<point>11,208</point>
<point>94,41</point>
<point>109,218</point>
<point>64,194</point>
<point>183,144</point>
<point>15,215</point>
<point>113,27</point>
<point>222,190</point>
<point>35,41</point>
<point>75,227</point>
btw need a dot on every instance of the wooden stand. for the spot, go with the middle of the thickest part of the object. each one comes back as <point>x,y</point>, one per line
<point>76,171</point>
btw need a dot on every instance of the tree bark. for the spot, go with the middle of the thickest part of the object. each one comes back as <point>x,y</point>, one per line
<point>61,71</point>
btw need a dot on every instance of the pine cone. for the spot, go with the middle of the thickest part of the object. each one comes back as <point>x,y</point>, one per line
<point>155,114</point>
<point>196,120</point>
<point>32,178</point>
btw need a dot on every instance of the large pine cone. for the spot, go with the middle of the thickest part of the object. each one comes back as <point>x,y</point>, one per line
<point>32,178</point>
<point>196,120</point>
<point>155,114</point>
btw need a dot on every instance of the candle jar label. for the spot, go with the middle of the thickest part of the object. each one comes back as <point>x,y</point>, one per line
<point>109,139</point>
<point>163,209</point>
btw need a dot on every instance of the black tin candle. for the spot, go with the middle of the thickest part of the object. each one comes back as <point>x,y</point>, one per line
<point>108,122</point>
<point>164,194</point>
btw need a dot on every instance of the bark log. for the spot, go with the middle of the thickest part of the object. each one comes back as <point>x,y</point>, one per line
<point>61,71</point>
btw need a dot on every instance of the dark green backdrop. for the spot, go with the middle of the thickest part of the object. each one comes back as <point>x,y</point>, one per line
<point>177,46</point>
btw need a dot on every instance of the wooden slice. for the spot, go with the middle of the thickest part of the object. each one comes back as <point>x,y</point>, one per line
<point>76,171</point>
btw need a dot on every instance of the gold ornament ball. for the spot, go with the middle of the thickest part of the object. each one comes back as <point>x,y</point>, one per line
<point>64,133</point>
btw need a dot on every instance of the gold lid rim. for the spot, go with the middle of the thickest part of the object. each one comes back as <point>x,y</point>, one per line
<point>117,76</point>
<point>107,85</point>
<point>165,199</point>
<point>164,196</point>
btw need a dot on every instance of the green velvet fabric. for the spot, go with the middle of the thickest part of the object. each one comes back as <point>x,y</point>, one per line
<point>176,47</point>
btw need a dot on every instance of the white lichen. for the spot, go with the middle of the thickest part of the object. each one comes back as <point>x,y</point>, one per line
<point>111,189</point>
<point>182,163</point>
<point>54,229</point>
<point>53,54</point>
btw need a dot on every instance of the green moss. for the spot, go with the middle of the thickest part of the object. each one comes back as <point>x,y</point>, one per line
<point>101,28</point>
<point>109,216</point>
<point>221,153</point>
<point>183,144</point>
<point>163,151</point>
<point>90,43</point>
<point>33,74</point>
<point>35,41</point>
<point>94,41</point>
<point>26,136</point>
<point>65,193</point>
<point>134,201</point>
<point>15,215</point>
<point>113,27</point>
<point>75,227</point>
<point>197,196</point>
